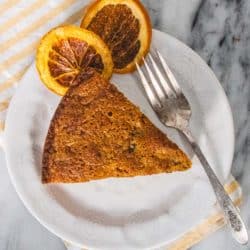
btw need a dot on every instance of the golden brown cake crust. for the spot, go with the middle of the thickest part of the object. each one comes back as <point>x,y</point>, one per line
<point>97,133</point>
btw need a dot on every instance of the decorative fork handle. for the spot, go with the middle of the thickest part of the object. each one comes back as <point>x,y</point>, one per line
<point>231,212</point>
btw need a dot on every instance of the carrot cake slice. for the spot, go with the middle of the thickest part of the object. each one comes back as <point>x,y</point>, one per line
<point>97,133</point>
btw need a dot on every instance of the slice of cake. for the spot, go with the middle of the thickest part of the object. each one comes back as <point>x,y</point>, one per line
<point>97,133</point>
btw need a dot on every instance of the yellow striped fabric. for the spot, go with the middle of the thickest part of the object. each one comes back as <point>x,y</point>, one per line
<point>4,6</point>
<point>22,24</point>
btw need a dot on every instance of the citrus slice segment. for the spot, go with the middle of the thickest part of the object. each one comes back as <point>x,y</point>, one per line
<point>125,27</point>
<point>67,51</point>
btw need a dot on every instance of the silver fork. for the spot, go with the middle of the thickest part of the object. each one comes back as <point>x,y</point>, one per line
<point>173,109</point>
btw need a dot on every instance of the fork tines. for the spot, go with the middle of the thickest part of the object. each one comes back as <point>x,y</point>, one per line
<point>157,79</point>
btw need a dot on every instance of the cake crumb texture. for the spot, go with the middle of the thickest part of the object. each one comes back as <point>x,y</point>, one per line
<point>97,133</point>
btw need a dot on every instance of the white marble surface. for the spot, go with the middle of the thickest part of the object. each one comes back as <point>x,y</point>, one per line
<point>219,30</point>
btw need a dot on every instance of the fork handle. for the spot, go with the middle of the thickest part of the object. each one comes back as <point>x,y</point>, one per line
<point>231,212</point>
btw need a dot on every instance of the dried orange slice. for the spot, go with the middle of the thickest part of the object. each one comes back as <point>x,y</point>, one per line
<point>125,27</point>
<point>67,51</point>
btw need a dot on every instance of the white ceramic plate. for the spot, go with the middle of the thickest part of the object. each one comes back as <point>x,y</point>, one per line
<point>128,213</point>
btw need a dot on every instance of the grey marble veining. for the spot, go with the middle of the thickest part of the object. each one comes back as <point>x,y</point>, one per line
<point>219,31</point>
<point>225,45</point>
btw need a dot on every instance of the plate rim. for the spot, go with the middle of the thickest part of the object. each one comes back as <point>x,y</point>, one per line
<point>60,233</point>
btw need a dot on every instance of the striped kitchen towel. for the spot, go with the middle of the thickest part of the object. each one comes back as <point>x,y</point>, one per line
<point>22,24</point>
